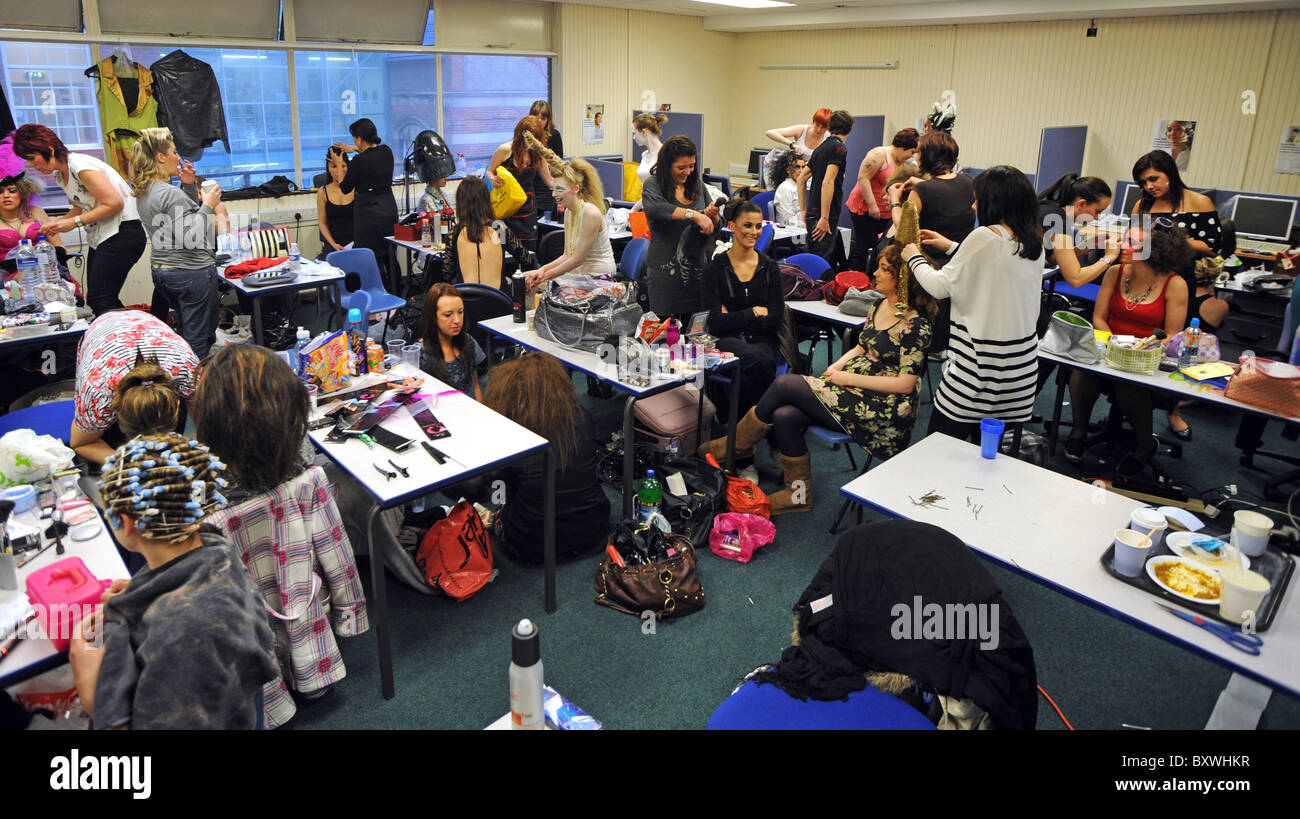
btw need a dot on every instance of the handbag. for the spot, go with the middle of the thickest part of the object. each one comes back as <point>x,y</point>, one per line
<point>744,496</point>
<point>797,285</point>
<point>736,536</point>
<point>456,553</point>
<point>834,290</point>
<point>693,514</point>
<point>1072,337</point>
<point>1207,350</point>
<point>583,311</point>
<point>669,587</point>
<point>508,195</point>
<point>858,302</point>
<point>1269,384</point>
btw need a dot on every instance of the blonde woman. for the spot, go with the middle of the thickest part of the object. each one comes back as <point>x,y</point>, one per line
<point>181,235</point>
<point>578,193</point>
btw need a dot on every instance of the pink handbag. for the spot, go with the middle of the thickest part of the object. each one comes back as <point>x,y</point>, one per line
<point>736,536</point>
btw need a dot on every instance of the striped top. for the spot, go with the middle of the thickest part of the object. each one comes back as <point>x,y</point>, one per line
<point>992,365</point>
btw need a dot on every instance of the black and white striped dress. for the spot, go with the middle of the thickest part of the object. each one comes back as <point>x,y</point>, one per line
<point>992,365</point>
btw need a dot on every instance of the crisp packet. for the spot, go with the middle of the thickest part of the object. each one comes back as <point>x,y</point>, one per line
<point>326,362</point>
<point>564,715</point>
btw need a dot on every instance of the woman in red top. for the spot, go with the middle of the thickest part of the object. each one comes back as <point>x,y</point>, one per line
<point>1141,294</point>
<point>869,200</point>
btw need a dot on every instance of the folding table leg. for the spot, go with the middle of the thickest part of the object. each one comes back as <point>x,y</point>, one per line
<point>1062,378</point>
<point>548,534</point>
<point>629,446</point>
<point>379,599</point>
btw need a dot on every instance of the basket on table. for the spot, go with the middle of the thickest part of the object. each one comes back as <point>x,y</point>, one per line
<point>1143,362</point>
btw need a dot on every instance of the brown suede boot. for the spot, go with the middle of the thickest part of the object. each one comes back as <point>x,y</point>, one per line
<point>797,495</point>
<point>749,432</point>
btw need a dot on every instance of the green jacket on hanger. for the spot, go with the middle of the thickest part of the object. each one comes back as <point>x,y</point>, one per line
<point>122,125</point>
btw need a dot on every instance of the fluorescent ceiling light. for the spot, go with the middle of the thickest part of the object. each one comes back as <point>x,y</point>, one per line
<point>745,4</point>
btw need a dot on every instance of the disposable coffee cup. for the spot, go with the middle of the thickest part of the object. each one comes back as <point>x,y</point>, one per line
<point>208,185</point>
<point>1250,532</point>
<point>1130,557</point>
<point>1243,591</point>
<point>1146,520</point>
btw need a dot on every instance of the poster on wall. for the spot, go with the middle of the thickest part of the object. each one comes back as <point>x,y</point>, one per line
<point>1288,151</point>
<point>593,125</point>
<point>1174,137</point>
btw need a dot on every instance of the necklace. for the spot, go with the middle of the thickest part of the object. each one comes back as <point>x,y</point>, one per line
<point>1130,301</point>
<point>14,224</point>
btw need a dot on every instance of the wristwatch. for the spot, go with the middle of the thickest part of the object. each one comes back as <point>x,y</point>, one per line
<point>792,147</point>
<point>690,214</point>
<point>77,221</point>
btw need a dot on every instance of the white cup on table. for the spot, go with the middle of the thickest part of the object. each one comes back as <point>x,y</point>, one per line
<point>1250,532</point>
<point>1130,556</point>
<point>1243,591</point>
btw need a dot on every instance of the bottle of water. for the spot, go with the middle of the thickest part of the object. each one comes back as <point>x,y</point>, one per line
<point>1191,344</point>
<point>295,257</point>
<point>28,269</point>
<point>304,338</point>
<point>48,261</point>
<point>672,449</point>
<point>648,498</point>
<point>245,247</point>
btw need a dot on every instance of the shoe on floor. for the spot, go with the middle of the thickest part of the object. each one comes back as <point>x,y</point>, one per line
<point>1184,434</point>
<point>1074,450</point>
<point>1131,466</point>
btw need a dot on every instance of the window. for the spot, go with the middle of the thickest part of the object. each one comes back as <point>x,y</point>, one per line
<point>483,97</point>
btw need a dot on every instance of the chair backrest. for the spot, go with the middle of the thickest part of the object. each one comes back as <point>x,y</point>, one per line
<point>361,261</point>
<point>320,180</point>
<point>551,247</point>
<point>718,181</point>
<point>764,201</point>
<point>765,238</point>
<point>633,261</point>
<point>482,302</point>
<point>811,264</point>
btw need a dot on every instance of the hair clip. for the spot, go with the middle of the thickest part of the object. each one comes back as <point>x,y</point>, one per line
<point>385,472</point>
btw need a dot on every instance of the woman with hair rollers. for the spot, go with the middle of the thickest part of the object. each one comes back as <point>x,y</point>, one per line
<point>578,193</point>
<point>185,643</point>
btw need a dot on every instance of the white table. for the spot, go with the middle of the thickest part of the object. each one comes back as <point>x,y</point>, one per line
<point>480,441</point>
<point>593,365</point>
<point>1053,529</point>
<point>13,340</point>
<point>311,274</point>
<point>826,314</point>
<point>614,235</point>
<point>31,656</point>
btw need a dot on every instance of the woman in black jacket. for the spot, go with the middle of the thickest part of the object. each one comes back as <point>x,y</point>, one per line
<point>746,306</point>
<point>374,211</point>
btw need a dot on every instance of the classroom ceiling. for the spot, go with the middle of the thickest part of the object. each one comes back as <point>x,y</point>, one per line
<point>811,14</point>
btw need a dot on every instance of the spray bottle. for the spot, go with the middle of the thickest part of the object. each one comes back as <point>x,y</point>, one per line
<point>526,678</point>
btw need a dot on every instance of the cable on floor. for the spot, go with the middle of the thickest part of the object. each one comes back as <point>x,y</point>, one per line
<point>1055,706</point>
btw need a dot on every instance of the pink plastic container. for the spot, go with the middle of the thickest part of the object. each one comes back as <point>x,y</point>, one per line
<point>62,594</point>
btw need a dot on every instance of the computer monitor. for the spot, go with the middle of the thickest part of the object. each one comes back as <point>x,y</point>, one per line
<point>756,160</point>
<point>1262,217</point>
<point>1126,198</point>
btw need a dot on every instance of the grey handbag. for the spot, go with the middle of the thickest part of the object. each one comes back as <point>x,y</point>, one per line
<point>858,302</point>
<point>1072,337</point>
<point>582,321</point>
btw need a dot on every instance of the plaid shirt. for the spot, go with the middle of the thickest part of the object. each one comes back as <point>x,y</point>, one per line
<point>293,542</point>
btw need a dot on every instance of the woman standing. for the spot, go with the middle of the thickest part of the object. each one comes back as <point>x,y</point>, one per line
<point>333,205</point>
<point>994,281</point>
<point>1069,201</point>
<point>474,250</point>
<point>803,139</point>
<point>681,219</point>
<point>374,210</point>
<point>101,203</point>
<point>530,172</point>
<point>181,235</point>
<point>586,235</point>
<point>450,354</point>
<point>869,199</point>
<point>647,130</point>
<point>551,139</point>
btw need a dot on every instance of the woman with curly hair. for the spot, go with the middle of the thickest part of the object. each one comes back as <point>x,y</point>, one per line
<point>530,171</point>
<point>788,200</point>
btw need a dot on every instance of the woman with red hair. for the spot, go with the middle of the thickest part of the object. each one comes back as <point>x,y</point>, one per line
<point>528,167</point>
<point>803,139</point>
<point>102,205</point>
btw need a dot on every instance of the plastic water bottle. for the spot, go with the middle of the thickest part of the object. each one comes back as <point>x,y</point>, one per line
<point>28,269</point>
<point>245,247</point>
<point>295,257</point>
<point>1191,344</point>
<point>48,261</point>
<point>304,338</point>
<point>672,450</point>
<point>649,497</point>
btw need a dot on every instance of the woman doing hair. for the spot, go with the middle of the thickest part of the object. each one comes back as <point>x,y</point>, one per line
<point>146,400</point>
<point>650,122</point>
<point>519,150</point>
<point>1003,195</point>
<point>675,148</point>
<point>32,140</point>
<point>255,386</point>
<point>822,117</point>
<point>1071,187</point>
<point>536,392</point>
<point>906,139</point>
<point>365,130</point>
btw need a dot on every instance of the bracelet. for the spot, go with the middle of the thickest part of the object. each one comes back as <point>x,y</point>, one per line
<point>896,205</point>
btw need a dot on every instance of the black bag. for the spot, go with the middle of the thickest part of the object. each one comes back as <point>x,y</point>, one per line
<point>706,488</point>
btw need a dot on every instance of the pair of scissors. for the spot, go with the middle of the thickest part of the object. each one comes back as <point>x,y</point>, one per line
<point>1235,637</point>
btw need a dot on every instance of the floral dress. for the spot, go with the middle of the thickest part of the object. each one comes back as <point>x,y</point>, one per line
<point>880,422</point>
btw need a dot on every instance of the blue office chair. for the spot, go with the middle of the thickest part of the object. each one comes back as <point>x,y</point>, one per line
<point>551,247</point>
<point>765,201</point>
<point>811,264</point>
<point>361,261</point>
<point>754,707</point>
<point>632,263</point>
<point>53,419</point>
<point>765,238</point>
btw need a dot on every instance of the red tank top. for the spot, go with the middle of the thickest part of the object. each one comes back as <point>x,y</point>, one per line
<point>858,204</point>
<point>1142,319</point>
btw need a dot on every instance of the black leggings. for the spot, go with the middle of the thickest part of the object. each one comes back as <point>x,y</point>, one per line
<point>790,406</point>
<point>1136,402</point>
<point>108,265</point>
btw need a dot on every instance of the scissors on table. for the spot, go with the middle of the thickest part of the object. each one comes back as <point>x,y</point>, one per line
<point>1235,637</point>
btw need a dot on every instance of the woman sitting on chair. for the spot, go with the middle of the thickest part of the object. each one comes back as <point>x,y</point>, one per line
<point>474,251</point>
<point>872,392</point>
<point>450,353</point>
<point>788,201</point>
<point>578,193</point>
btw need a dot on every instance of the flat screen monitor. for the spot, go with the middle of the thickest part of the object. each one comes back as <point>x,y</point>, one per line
<point>756,160</point>
<point>1261,217</point>
<point>1127,198</point>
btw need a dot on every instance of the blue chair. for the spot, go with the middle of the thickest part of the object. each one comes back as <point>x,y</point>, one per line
<point>765,238</point>
<point>361,261</point>
<point>756,707</point>
<point>53,419</point>
<point>764,200</point>
<point>811,264</point>
<point>633,261</point>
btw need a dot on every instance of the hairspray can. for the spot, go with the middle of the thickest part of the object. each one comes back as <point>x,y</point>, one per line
<point>518,295</point>
<point>526,678</point>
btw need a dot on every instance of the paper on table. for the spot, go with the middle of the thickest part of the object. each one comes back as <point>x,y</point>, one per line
<point>1192,522</point>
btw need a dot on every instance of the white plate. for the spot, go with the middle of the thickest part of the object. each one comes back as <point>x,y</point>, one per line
<point>1180,543</point>
<point>1163,559</point>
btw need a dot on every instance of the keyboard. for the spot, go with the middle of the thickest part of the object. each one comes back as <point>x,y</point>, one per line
<point>1261,247</point>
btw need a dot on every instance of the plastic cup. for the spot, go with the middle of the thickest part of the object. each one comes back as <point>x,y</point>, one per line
<point>1250,532</point>
<point>1243,591</point>
<point>313,393</point>
<point>394,347</point>
<point>1148,520</point>
<point>411,356</point>
<point>1130,557</point>
<point>990,437</point>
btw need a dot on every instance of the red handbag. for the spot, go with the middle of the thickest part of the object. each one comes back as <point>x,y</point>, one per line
<point>456,554</point>
<point>744,496</point>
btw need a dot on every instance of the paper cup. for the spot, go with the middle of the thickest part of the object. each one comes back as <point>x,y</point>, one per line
<point>1145,520</point>
<point>1250,532</point>
<point>1243,591</point>
<point>1129,557</point>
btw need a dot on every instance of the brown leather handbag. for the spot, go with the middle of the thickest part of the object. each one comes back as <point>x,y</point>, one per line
<point>1269,384</point>
<point>669,587</point>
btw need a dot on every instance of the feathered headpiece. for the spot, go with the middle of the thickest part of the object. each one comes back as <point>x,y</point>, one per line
<point>12,166</point>
<point>943,117</point>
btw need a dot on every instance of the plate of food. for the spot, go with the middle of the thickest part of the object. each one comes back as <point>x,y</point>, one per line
<point>1216,554</point>
<point>1188,579</point>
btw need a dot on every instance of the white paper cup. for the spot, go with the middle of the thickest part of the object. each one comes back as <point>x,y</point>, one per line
<point>1243,591</point>
<point>1145,520</point>
<point>1250,532</point>
<point>1129,558</point>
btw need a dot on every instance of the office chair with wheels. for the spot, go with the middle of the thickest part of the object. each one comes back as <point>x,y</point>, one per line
<point>765,238</point>
<point>633,261</point>
<point>765,200</point>
<point>719,181</point>
<point>361,261</point>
